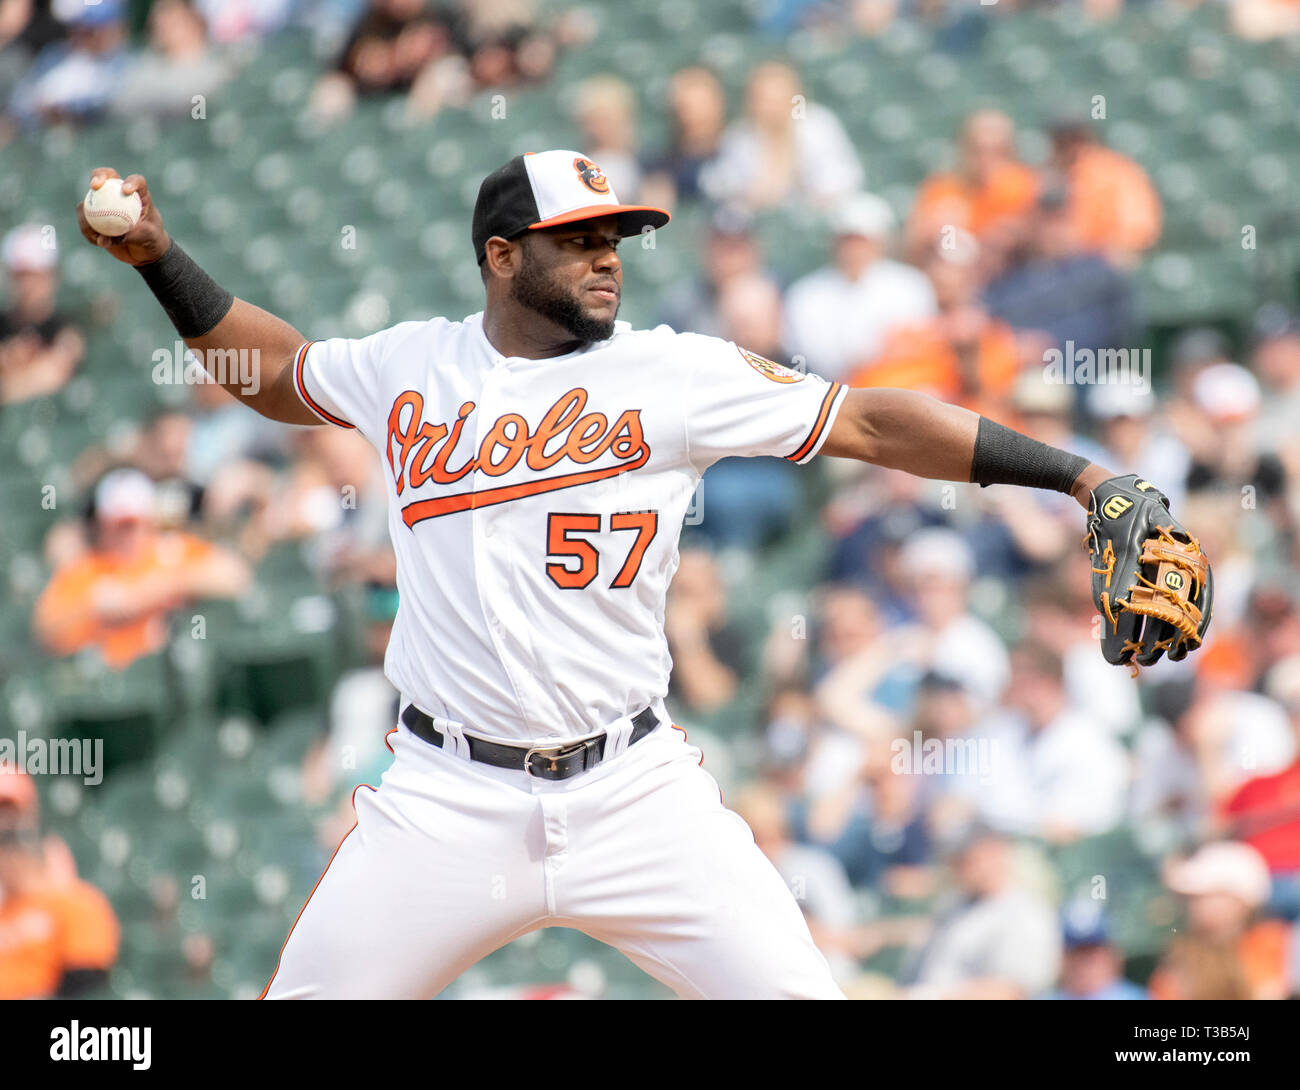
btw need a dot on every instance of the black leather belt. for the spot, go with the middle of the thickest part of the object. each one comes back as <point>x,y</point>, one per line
<point>546,763</point>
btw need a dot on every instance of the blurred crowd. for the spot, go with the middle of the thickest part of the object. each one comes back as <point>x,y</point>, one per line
<point>75,62</point>
<point>941,745</point>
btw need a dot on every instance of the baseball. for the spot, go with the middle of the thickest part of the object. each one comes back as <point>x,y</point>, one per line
<point>111,212</point>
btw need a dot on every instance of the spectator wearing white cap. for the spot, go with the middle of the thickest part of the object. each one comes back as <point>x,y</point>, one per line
<point>115,598</point>
<point>1229,399</point>
<point>1231,466</point>
<point>837,317</point>
<point>1225,884</point>
<point>39,347</point>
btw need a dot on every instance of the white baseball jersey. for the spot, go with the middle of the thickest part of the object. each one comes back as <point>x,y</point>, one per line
<point>536,505</point>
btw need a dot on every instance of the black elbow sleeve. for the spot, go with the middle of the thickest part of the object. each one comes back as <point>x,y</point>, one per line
<point>1004,456</point>
<point>194,302</point>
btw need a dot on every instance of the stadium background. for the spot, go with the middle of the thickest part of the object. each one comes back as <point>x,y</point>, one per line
<point>232,749</point>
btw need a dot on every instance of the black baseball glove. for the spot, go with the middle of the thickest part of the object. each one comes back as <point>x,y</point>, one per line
<point>1150,580</point>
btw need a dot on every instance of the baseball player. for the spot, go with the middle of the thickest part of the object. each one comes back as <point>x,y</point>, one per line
<point>540,457</point>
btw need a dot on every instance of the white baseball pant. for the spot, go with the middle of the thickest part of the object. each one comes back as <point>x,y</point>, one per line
<point>451,859</point>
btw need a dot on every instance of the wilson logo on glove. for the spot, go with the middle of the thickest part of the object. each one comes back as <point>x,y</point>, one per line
<point>1150,580</point>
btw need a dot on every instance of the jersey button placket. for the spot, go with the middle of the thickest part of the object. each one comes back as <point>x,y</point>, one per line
<point>489,562</point>
<point>482,516</point>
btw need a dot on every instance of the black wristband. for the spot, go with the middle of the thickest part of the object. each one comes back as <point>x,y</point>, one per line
<point>192,299</point>
<point>1003,456</point>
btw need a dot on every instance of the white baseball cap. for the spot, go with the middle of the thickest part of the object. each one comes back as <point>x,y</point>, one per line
<point>937,552</point>
<point>1223,867</point>
<point>547,189</point>
<point>1226,391</point>
<point>30,248</point>
<point>1282,682</point>
<point>1034,393</point>
<point>124,494</point>
<point>1110,400</point>
<point>864,215</point>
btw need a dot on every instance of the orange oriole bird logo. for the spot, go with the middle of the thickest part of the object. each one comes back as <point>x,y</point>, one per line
<point>592,176</point>
<point>770,368</point>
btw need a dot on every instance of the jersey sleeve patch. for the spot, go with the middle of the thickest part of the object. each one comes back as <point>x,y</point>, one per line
<point>311,403</point>
<point>770,369</point>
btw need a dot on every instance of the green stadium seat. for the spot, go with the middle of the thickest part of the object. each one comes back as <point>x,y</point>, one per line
<point>292,735</point>
<point>126,710</point>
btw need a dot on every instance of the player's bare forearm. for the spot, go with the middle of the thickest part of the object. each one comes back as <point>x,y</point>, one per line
<point>221,330</point>
<point>919,434</point>
<point>268,343</point>
<point>903,429</point>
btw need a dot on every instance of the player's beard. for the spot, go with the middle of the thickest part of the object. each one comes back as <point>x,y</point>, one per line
<point>539,292</point>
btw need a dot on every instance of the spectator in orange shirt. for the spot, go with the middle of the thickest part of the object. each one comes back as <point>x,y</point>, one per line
<point>117,595</point>
<point>962,354</point>
<point>1111,202</point>
<point>58,934</point>
<point>1196,969</point>
<point>987,195</point>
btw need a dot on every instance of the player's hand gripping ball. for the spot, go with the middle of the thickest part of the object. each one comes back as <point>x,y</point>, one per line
<point>110,212</point>
<point>1150,580</point>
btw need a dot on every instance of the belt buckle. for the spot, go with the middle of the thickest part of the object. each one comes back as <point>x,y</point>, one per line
<point>553,755</point>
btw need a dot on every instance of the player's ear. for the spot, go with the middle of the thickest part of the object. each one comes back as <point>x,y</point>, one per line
<point>501,258</point>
